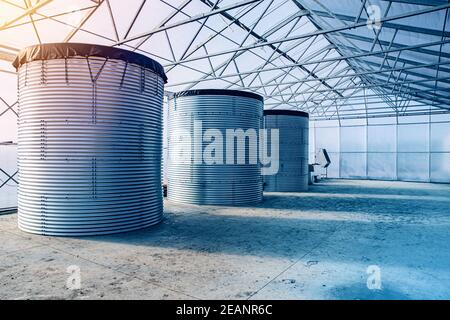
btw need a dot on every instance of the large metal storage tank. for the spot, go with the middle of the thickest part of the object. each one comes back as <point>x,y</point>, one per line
<point>90,140</point>
<point>293,129</point>
<point>205,183</point>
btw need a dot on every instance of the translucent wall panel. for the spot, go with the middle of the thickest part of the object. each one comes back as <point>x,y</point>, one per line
<point>423,149</point>
<point>440,117</point>
<point>389,120</point>
<point>382,138</point>
<point>413,138</point>
<point>413,166</point>
<point>8,125</point>
<point>440,167</point>
<point>382,166</point>
<point>312,143</point>
<point>8,117</point>
<point>440,156</point>
<point>311,156</point>
<point>327,138</point>
<point>440,137</point>
<point>8,132</point>
<point>333,169</point>
<point>353,165</point>
<point>414,119</point>
<point>353,139</point>
<point>353,122</point>
<point>8,192</point>
<point>165,141</point>
<point>326,123</point>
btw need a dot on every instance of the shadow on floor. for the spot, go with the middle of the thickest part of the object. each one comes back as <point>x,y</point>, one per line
<point>377,187</point>
<point>364,204</point>
<point>285,225</point>
<point>291,238</point>
<point>360,292</point>
<point>240,235</point>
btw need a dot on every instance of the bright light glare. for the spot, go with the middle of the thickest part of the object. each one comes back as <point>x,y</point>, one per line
<point>6,13</point>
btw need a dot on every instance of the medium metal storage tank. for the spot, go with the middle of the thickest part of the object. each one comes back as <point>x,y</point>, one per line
<point>293,129</point>
<point>90,140</point>
<point>203,182</point>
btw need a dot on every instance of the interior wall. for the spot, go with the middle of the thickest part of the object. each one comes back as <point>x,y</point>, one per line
<point>413,148</point>
<point>8,133</point>
<point>404,148</point>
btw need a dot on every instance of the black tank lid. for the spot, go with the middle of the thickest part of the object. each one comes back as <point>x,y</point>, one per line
<point>286,113</point>
<point>51,51</point>
<point>219,92</point>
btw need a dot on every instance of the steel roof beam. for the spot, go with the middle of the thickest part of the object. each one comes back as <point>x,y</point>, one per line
<point>186,21</point>
<point>357,74</point>
<point>320,32</point>
<point>27,12</point>
<point>263,39</point>
<point>394,45</point>
<point>389,25</point>
<point>421,2</point>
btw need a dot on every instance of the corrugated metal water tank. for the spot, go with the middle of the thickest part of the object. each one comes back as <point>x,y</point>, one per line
<point>90,140</point>
<point>205,183</point>
<point>293,129</point>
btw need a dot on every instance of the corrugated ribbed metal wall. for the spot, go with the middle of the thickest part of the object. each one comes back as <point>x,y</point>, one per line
<point>223,184</point>
<point>90,143</point>
<point>293,173</point>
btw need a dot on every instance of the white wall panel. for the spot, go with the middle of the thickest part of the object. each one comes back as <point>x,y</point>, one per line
<point>312,143</point>
<point>440,167</point>
<point>353,165</point>
<point>388,120</point>
<point>382,138</point>
<point>440,117</point>
<point>8,128</point>
<point>328,138</point>
<point>413,166</point>
<point>8,193</point>
<point>382,166</point>
<point>353,139</point>
<point>440,137</point>
<point>414,119</point>
<point>413,138</point>
<point>354,122</point>
<point>333,169</point>
<point>8,119</point>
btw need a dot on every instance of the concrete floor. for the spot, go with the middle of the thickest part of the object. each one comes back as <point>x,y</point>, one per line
<point>315,245</point>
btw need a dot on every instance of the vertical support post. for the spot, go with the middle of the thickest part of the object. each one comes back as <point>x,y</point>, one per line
<point>429,145</point>
<point>339,151</point>
<point>367,149</point>
<point>396,147</point>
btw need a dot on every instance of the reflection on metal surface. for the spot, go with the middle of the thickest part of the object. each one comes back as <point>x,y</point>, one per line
<point>90,144</point>
<point>293,168</point>
<point>216,184</point>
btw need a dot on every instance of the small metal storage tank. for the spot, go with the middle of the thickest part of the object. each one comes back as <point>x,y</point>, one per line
<point>201,182</point>
<point>90,140</point>
<point>293,129</point>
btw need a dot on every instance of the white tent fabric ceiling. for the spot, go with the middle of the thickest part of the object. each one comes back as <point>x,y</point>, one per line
<point>335,59</point>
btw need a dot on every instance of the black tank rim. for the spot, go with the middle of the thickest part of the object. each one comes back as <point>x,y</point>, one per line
<point>50,51</point>
<point>219,92</point>
<point>286,113</point>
